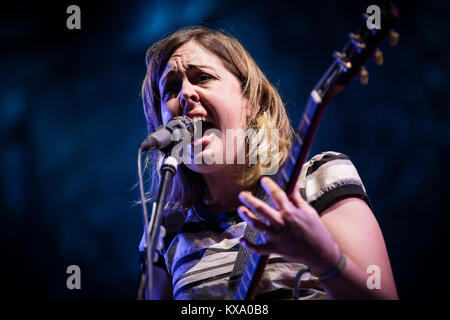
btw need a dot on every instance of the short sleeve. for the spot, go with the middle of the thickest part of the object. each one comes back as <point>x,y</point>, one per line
<point>329,177</point>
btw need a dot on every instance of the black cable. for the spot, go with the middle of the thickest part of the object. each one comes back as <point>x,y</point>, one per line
<point>297,282</point>
<point>142,280</point>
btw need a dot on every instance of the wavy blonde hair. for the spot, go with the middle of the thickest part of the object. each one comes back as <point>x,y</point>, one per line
<point>270,113</point>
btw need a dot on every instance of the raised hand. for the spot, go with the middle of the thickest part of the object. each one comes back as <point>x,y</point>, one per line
<point>293,228</point>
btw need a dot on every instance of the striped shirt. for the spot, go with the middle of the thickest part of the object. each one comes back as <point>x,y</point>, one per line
<point>201,246</point>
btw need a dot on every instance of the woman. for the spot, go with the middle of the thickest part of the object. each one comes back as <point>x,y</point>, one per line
<point>326,224</point>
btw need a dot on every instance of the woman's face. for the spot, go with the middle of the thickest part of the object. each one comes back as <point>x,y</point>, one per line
<point>195,83</point>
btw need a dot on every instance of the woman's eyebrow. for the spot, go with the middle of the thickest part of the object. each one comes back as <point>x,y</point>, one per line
<point>190,66</point>
<point>193,66</point>
<point>166,75</point>
<point>203,66</point>
<point>166,78</point>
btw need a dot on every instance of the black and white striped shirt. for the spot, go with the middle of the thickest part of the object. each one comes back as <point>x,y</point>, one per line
<point>201,246</point>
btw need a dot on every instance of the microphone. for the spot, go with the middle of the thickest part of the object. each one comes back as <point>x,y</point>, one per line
<point>166,137</point>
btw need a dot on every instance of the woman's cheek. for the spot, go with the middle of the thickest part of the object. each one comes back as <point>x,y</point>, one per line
<point>169,110</point>
<point>232,147</point>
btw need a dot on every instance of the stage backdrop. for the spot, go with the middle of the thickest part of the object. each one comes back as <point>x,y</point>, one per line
<point>71,119</point>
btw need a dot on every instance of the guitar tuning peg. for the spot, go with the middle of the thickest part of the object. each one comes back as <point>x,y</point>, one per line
<point>357,42</point>
<point>393,38</point>
<point>340,58</point>
<point>378,55</point>
<point>339,55</point>
<point>355,37</point>
<point>363,76</point>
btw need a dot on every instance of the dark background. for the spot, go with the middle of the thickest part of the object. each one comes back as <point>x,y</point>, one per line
<point>71,119</point>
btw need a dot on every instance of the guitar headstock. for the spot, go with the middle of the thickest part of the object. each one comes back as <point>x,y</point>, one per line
<point>379,22</point>
<point>364,43</point>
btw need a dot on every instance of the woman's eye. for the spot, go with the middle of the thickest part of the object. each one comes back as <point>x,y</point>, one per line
<point>170,89</point>
<point>204,77</point>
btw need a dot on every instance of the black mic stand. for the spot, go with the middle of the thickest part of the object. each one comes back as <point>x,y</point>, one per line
<point>152,229</point>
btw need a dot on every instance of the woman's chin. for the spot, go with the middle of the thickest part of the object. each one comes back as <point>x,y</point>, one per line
<point>208,158</point>
<point>205,162</point>
<point>204,168</point>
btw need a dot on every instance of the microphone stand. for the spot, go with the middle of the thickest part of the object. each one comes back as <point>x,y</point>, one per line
<point>152,228</point>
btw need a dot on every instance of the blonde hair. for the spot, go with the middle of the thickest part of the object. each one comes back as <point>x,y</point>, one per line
<point>270,113</point>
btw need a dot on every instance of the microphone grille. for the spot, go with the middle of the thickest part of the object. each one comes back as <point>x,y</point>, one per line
<point>188,123</point>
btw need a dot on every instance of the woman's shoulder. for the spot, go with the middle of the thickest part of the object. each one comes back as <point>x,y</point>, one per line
<point>324,157</point>
<point>328,177</point>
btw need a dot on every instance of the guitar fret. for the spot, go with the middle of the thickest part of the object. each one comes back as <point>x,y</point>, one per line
<point>306,119</point>
<point>252,262</point>
<point>239,293</point>
<point>296,150</point>
<point>285,175</point>
<point>299,140</point>
<point>247,273</point>
<point>244,283</point>
<point>245,276</point>
<point>291,157</point>
<point>288,167</point>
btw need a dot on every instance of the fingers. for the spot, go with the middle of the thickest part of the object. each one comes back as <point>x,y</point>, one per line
<point>264,248</point>
<point>279,197</point>
<point>289,217</point>
<point>270,214</point>
<point>280,201</point>
<point>252,220</point>
<point>276,194</point>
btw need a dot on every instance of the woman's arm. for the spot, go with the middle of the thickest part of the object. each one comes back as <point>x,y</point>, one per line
<point>162,286</point>
<point>356,231</point>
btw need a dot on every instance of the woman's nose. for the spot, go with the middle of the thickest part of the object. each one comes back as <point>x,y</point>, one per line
<point>189,97</point>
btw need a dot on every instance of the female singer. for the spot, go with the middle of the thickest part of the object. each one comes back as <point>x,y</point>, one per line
<point>325,224</point>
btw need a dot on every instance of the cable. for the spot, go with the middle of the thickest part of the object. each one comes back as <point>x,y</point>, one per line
<point>297,282</point>
<point>146,275</point>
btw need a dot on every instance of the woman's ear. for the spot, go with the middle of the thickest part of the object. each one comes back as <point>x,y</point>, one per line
<point>251,110</point>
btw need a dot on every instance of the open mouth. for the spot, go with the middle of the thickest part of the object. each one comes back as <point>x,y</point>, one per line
<point>201,125</point>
